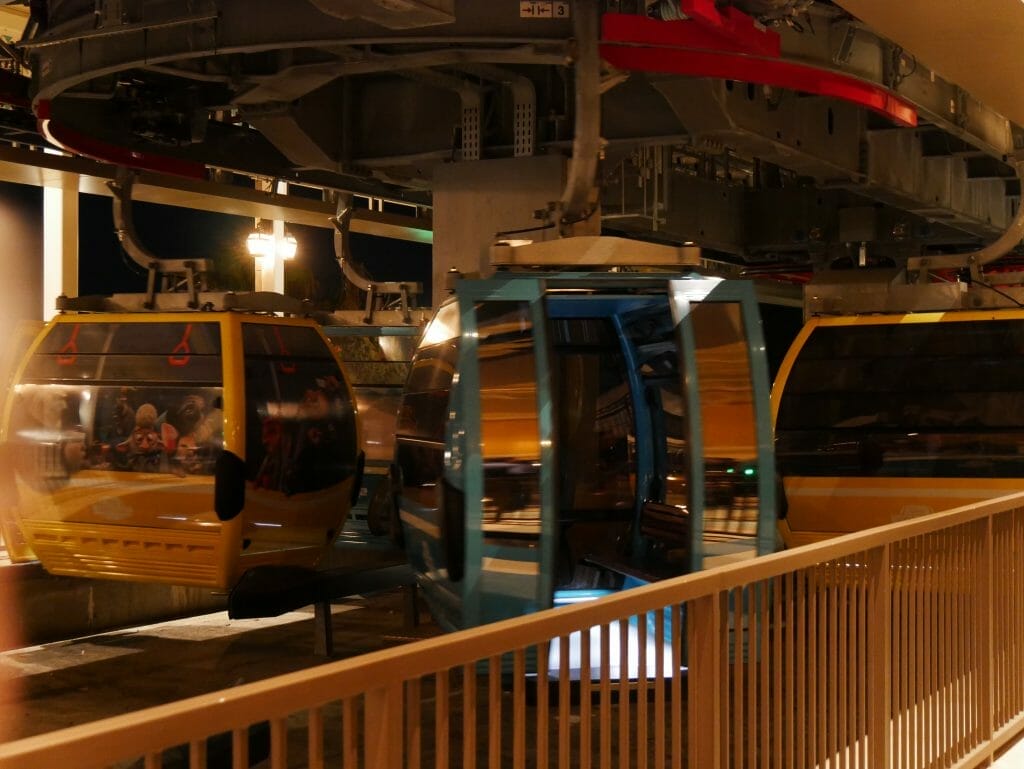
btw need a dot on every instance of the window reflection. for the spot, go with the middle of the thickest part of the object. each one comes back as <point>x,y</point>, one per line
<point>510,440</point>
<point>653,335</point>
<point>929,399</point>
<point>300,424</point>
<point>727,418</point>
<point>149,400</point>
<point>377,366</point>
<point>596,430</point>
<point>423,409</point>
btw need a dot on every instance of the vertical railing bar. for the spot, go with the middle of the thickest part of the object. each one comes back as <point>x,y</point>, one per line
<point>1007,631</point>
<point>938,625</point>
<point>997,659</point>
<point>949,603</point>
<point>960,651</point>
<point>659,691</point>
<point>239,749</point>
<point>442,718</point>
<point>1004,624</point>
<point>910,659</point>
<point>730,679</point>
<point>934,643</point>
<point>953,669</point>
<point>856,695</point>
<point>792,688</point>
<point>1007,625</point>
<point>917,646</point>
<point>156,761</point>
<point>750,611</point>
<point>519,707</point>
<point>879,660</point>
<point>778,701</point>
<point>988,627</point>
<point>941,620</point>
<point>315,739</point>
<point>606,722</point>
<point>970,658</point>
<point>812,665</point>
<point>705,618</point>
<point>974,649</point>
<point>970,650</point>
<point>862,659</point>
<point>821,664</point>
<point>197,755</point>
<point>383,713</point>
<point>832,703</point>
<point>624,715</point>
<point>564,701</point>
<point>1015,628</point>
<point>586,690</point>
<point>932,663</point>
<point>843,687</point>
<point>469,740</point>
<point>349,744</point>
<point>802,625</point>
<point>676,687</point>
<point>641,691</point>
<point>826,661</point>
<point>916,684</point>
<point>413,723</point>
<point>494,712</point>
<point>898,617</point>
<point>543,743</point>
<point>765,663</point>
<point>902,661</point>
<point>1000,637</point>
<point>725,630</point>
<point>736,711</point>
<point>1018,614</point>
<point>278,745</point>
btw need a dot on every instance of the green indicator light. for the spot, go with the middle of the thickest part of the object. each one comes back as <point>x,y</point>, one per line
<point>749,471</point>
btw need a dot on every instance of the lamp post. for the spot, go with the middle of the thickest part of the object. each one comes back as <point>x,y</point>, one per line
<point>271,247</point>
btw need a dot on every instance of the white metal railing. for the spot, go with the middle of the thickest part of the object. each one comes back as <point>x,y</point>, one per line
<point>901,646</point>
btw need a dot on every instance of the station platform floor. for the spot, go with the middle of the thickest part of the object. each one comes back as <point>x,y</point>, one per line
<point>1011,759</point>
<point>54,685</point>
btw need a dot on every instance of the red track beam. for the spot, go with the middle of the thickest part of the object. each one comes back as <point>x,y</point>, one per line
<point>686,48</point>
<point>80,144</point>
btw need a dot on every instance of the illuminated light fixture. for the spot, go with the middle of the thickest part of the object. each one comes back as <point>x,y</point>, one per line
<point>264,244</point>
<point>260,243</point>
<point>287,246</point>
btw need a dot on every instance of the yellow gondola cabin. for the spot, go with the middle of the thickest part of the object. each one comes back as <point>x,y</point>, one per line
<point>178,447</point>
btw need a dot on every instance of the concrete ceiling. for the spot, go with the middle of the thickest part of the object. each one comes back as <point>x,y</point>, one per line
<point>978,45</point>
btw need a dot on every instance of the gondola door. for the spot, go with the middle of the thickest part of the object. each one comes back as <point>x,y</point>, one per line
<point>725,380</point>
<point>502,452</point>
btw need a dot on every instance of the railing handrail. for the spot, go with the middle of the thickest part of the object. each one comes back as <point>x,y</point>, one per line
<point>207,714</point>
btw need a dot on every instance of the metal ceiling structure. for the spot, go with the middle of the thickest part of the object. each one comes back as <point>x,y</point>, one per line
<point>781,136</point>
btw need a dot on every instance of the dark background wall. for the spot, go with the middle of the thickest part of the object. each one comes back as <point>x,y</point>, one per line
<point>181,233</point>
